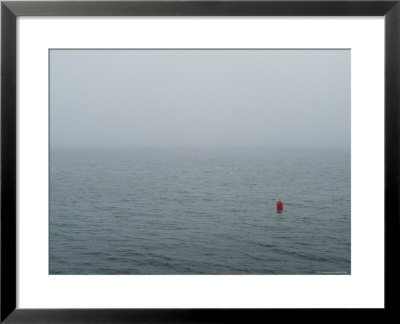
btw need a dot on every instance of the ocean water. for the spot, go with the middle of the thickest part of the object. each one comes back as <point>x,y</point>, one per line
<point>199,211</point>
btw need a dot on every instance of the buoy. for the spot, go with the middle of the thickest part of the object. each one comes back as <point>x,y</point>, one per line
<point>279,206</point>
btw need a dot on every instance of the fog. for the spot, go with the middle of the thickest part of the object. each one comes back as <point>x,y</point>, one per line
<point>234,98</point>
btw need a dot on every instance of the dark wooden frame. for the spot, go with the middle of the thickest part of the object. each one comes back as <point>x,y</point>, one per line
<point>11,10</point>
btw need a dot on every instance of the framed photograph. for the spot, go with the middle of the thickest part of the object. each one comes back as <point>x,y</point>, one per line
<point>191,161</point>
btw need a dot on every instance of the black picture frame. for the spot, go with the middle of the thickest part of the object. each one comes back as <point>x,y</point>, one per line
<point>10,10</point>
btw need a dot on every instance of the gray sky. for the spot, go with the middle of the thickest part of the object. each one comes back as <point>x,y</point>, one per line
<point>288,98</point>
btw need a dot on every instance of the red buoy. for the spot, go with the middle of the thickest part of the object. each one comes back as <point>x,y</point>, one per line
<point>279,206</point>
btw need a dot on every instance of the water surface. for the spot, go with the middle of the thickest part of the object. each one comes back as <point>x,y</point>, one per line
<point>199,211</point>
